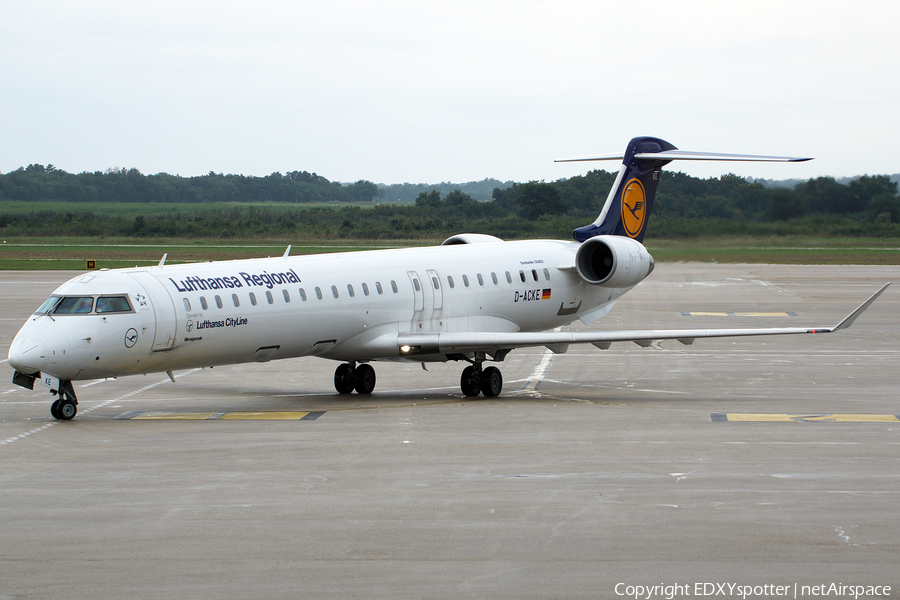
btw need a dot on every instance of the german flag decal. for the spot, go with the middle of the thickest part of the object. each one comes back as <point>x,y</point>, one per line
<point>546,294</point>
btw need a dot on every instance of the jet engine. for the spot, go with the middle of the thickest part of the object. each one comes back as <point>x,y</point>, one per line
<point>613,261</point>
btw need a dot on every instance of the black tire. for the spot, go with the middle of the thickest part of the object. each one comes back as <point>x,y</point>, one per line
<point>66,410</point>
<point>54,409</point>
<point>344,381</point>
<point>491,382</point>
<point>469,383</point>
<point>365,379</point>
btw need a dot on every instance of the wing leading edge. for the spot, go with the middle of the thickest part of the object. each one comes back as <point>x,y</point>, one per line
<point>411,344</point>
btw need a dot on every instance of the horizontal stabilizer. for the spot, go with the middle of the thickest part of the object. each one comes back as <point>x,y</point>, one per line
<point>687,155</point>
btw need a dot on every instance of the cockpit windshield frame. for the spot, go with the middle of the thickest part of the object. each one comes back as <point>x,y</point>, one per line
<point>105,304</point>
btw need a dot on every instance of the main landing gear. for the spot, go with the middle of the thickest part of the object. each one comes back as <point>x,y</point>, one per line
<point>65,408</point>
<point>349,377</point>
<point>475,380</point>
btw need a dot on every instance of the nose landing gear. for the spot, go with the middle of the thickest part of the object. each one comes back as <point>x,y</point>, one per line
<point>66,406</point>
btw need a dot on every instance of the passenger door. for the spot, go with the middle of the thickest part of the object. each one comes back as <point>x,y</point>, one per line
<point>160,302</point>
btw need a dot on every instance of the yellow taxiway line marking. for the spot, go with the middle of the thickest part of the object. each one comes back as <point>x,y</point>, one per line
<point>803,418</point>
<point>174,416</point>
<point>264,416</point>
<point>226,416</point>
<point>738,314</point>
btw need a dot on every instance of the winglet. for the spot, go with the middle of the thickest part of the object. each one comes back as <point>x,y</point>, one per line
<point>848,320</point>
<point>287,252</point>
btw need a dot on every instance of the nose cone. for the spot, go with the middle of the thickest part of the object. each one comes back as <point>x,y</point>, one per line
<point>41,345</point>
<point>28,355</point>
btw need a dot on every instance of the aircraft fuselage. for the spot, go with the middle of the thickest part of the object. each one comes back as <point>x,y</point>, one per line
<point>348,306</point>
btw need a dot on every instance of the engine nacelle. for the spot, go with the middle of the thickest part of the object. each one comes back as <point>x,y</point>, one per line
<point>613,261</point>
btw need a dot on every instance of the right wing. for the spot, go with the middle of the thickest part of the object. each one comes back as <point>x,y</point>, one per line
<point>411,344</point>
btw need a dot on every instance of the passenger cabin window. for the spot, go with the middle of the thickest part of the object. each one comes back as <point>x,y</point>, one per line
<point>218,301</point>
<point>546,274</point>
<point>74,305</point>
<point>252,298</point>
<point>416,285</point>
<point>450,281</point>
<point>394,286</point>
<point>112,304</point>
<point>522,276</point>
<point>287,297</point>
<point>378,288</point>
<point>350,290</point>
<point>203,303</point>
<point>318,293</point>
<point>235,300</point>
<point>494,278</point>
<point>334,291</point>
<point>187,304</point>
<point>480,279</point>
<point>365,289</point>
<point>466,280</point>
<point>302,294</point>
<point>269,297</point>
<point>434,282</point>
<point>534,274</point>
<point>508,277</point>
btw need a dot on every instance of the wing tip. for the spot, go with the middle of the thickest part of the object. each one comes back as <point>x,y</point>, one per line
<point>849,319</point>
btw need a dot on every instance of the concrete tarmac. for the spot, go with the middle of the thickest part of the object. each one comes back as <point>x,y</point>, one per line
<point>755,461</point>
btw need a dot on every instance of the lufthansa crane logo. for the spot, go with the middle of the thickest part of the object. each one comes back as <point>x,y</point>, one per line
<point>634,207</point>
<point>131,337</point>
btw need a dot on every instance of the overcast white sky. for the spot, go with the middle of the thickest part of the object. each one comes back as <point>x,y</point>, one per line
<point>459,90</point>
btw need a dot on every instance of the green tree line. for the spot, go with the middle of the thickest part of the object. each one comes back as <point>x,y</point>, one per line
<point>39,182</point>
<point>684,206</point>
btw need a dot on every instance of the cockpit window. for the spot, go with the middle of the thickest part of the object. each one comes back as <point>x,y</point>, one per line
<point>74,305</point>
<point>111,304</point>
<point>82,305</point>
<point>48,305</point>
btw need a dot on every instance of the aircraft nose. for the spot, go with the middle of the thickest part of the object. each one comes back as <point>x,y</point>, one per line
<point>28,355</point>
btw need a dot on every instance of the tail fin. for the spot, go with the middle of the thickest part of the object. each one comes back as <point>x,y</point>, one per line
<point>630,200</point>
<point>627,208</point>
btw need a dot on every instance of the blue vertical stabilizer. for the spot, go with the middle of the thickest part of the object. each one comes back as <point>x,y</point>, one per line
<point>627,208</point>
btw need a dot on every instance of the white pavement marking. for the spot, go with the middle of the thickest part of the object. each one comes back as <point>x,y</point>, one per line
<point>27,433</point>
<point>93,408</point>
<point>138,391</point>
<point>539,371</point>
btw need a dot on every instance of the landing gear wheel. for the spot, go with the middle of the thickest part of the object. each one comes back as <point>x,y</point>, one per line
<point>365,379</point>
<point>491,382</point>
<point>344,381</point>
<point>66,410</point>
<point>54,409</point>
<point>469,382</point>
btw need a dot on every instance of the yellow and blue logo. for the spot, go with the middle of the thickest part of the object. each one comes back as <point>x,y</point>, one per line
<point>634,207</point>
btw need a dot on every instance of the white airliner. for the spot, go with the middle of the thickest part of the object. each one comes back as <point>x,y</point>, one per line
<point>474,298</point>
